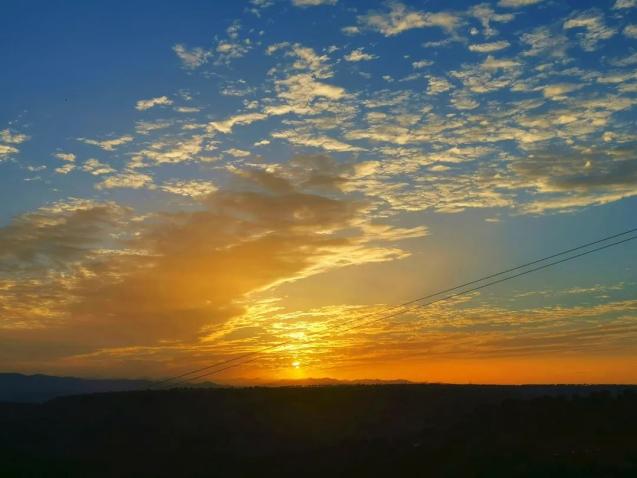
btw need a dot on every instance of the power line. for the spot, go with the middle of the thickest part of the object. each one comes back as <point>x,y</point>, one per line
<point>229,363</point>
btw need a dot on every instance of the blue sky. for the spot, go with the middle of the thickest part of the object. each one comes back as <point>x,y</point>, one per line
<point>345,155</point>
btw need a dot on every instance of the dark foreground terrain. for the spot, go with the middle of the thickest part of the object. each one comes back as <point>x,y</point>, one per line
<point>389,430</point>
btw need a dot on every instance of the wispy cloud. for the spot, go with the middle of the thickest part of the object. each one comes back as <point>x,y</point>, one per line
<point>191,58</point>
<point>400,18</point>
<point>143,105</point>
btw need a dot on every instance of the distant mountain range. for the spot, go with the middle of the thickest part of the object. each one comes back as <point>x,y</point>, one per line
<point>16,387</point>
<point>20,388</point>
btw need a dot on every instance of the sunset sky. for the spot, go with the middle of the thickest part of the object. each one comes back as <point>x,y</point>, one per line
<point>182,182</point>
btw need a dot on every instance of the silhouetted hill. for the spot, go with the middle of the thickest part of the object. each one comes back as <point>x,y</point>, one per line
<point>374,430</point>
<point>16,387</point>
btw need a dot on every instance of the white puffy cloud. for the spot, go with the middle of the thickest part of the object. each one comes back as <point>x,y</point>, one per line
<point>229,49</point>
<point>620,4</point>
<point>359,55</point>
<point>486,15</point>
<point>6,151</point>
<point>192,188</point>
<point>96,167</point>
<point>437,84</point>
<point>321,142</point>
<point>6,136</point>
<point>545,42</point>
<point>595,30</point>
<point>626,61</point>
<point>70,157</point>
<point>10,139</point>
<point>143,105</point>
<point>489,47</point>
<point>226,125</point>
<point>191,58</point>
<point>126,179</point>
<point>173,150</point>
<point>66,169</point>
<point>187,109</point>
<point>492,63</point>
<point>517,3</point>
<point>237,153</point>
<point>401,18</point>
<point>559,91</point>
<point>630,31</point>
<point>420,64</point>
<point>312,3</point>
<point>108,144</point>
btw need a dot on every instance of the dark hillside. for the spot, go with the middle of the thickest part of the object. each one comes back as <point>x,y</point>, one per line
<point>17,387</point>
<point>397,430</point>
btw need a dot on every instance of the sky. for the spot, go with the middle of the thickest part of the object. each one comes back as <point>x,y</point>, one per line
<point>185,182</point>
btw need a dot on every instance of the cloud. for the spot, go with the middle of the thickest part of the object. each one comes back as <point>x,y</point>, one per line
<point>585,171</point>
<point>112,144</point>
<point>418,65</point>
<point>359,55</point>
<point>592,21</point>
<point>126,179</point>
<point>489,47</point>
<point>312,3</point>
<point>463,101</point>
<point>143,105</point>
<point>237,153</point>
<point>96,168</point>
<point>322,142</point>
<point>630,31</point>
<point>351,30</point>
<point>226,126</point>
<point>193,58</point>
<point>193,188</point>
<point>401,18</point>
<point>492,63</point>
<point>559,91</point>
<point>6,136</point>
<point>70,157</point>
<point>173,150</point>
<point>237,88</point>
<point>437,85</point>
<point>485,14</point>
<point>304,88</point>
<point>569,180</point>
<point>57,234</point>
<point>101,280</point>
<point>620,4</point>
<point>517,3</point>
<point>146,127</point>
<point>187,109</point>
<point>626,61</point>
<point>6,151</point>
<point>66,169</point>
<point>545,42</point>
<point>307,59</point>
<point>228,50</point>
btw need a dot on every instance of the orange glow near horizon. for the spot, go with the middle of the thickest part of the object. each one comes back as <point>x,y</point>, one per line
<point>506,371</point>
